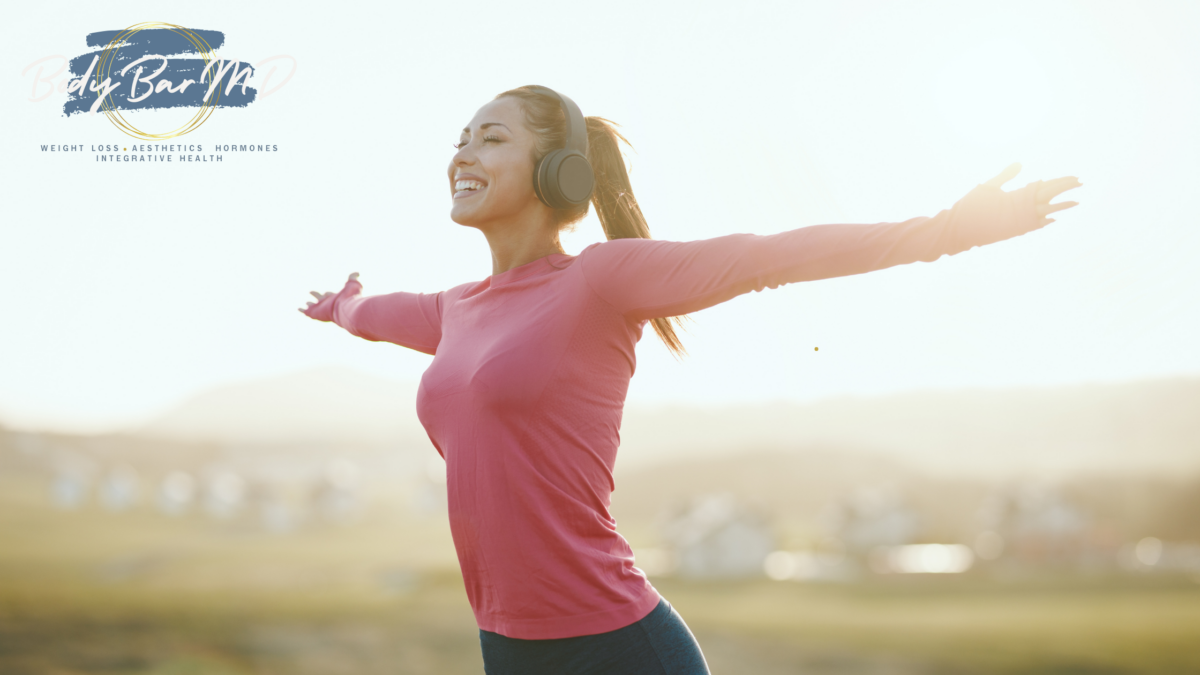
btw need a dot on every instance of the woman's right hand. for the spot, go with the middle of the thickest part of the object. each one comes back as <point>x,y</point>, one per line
<point>1047,190</point>
<point>322,309</point>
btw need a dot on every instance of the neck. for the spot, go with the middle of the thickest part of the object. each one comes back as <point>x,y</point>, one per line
<point>519,244</point>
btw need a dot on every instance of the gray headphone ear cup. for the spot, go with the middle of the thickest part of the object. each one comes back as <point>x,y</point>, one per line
<point>564,178</point>
<point>575,178</point>
<point>542,180</point>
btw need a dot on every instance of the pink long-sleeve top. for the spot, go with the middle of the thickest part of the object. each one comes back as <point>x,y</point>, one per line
<point>524,396</point>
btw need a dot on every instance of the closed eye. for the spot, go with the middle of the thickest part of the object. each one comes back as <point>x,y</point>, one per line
<point>486,139</point>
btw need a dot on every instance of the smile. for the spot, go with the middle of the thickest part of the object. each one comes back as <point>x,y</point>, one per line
<point>467,188</point>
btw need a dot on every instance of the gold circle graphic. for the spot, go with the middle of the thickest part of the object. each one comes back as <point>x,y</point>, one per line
<point>105,69</point>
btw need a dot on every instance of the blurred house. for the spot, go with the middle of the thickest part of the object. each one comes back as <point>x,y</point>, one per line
<point>868,518</point>
<point>1032,525</point>
<point>717,536</point>
<point>336,493</point>
<point>1151,554</point>
<point>281,509</point>
<point>224,493</point>
<point>72,481</point>
<point>176,493</point>
<point>69,489</point>
<point>121,488</point>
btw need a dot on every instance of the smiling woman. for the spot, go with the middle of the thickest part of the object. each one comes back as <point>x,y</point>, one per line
<point>538,127</point>
<point>524,396</point>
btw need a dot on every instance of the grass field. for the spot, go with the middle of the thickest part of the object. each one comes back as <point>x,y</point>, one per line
<point>140,593</point>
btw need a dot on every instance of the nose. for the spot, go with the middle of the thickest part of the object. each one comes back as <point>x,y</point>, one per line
<point>465,155</point>
<point>459,160</point>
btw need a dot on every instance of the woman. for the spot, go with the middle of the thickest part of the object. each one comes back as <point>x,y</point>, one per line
<point>531,365</point>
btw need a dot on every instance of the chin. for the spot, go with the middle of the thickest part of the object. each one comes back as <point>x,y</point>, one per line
<point>463,217</point>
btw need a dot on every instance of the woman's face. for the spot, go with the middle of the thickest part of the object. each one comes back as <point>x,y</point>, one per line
<point>491,175</point>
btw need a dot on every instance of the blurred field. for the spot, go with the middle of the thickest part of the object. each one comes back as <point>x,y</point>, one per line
<point>88,591</point>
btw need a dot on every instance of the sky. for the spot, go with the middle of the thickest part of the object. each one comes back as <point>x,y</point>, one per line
<point>130,287</point>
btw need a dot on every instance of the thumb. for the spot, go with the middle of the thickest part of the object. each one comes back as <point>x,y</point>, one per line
<point>1006,175</point>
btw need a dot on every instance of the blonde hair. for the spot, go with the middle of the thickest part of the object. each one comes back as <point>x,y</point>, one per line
<point>616,207</point>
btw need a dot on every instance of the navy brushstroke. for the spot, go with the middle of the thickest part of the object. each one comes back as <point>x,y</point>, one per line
<point>183,63</point>
<point>163,41</point>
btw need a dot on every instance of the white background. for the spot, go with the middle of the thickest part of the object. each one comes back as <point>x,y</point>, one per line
<point>128,287</point>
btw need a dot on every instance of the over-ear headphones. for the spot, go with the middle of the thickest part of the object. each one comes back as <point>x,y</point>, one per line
<point>564,178</point>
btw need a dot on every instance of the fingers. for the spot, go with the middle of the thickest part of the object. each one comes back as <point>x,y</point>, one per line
<point>323,296</point>
<point>1006,175</point>
<point>319,296</point>
<point>1046,209</point>
<point>1054,187</point>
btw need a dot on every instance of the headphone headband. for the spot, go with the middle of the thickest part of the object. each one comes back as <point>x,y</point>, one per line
<point>577,139</point>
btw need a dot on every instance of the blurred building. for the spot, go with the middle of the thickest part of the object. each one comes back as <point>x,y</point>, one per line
<point>1151,554</point>
<point>176,493</point>
<point>336,495</point>
<point>224,493</point>
<point>69,489</point>
<point>868,518</point>
<point>121,488</point>
<point>72,479</point>
<point>281,509</point>
<point>1032,525</point>
<point>716,536</point>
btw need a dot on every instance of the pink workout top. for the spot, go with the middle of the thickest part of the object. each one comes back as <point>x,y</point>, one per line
<point>524,396</point>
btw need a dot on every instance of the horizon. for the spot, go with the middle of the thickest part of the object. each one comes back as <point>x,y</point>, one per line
<point>1141,426</point>
<point>131,425</point>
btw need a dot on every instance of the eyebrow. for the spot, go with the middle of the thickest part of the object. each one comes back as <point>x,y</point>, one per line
<point>485,125</point>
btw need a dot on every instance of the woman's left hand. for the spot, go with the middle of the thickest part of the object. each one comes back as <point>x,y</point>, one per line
<point>320,310</point>
<point>1049,190</point>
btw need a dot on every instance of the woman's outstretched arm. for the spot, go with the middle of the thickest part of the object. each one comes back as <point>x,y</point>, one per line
<point>412,320</point>
<point>648,278</point>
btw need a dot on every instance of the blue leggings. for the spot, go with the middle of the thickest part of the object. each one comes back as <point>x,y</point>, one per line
<point>659,644</point>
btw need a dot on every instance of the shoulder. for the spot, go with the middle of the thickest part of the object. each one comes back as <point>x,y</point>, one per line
<point>615,245</point>
<point>458,290</point>
<point>617,251</point>
<point>597,259</point>
<point>453,294</point>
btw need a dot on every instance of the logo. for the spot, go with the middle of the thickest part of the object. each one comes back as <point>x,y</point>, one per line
<point>155,66</point>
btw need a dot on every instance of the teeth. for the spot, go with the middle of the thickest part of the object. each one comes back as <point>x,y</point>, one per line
<point>461,185</point>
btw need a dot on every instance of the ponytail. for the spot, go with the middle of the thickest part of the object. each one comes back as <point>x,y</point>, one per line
<point>616,207</point>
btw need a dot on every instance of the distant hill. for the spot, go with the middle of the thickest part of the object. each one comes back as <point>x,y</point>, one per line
<point>321,406</point>
<point>1147,426</point>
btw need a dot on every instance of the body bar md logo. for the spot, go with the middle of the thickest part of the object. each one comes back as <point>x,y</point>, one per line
<point>154,66</point>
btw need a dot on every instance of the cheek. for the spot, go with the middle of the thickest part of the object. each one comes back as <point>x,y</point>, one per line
<point>513,172</point>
